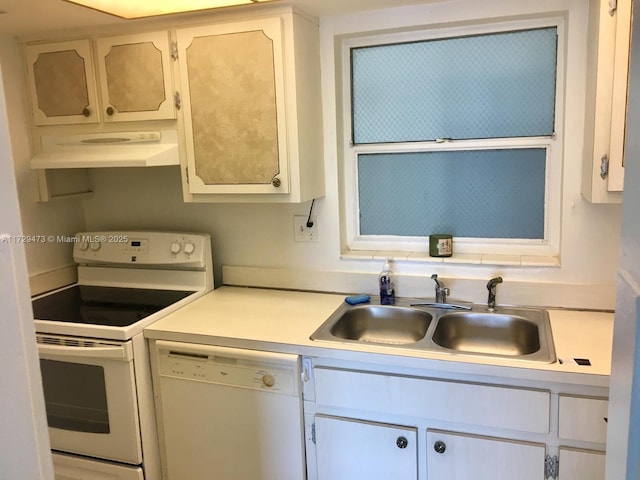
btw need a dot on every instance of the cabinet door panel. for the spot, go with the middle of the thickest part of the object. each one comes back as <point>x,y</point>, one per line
<point>351,449</point>
<point>135,77</point>
<point>583,418</point>
<point>607,75</point>
<point>466,457</point>
<point>581,464</point>
<point>619,101</point>
<point>61,83</point>
<point>233,90</point>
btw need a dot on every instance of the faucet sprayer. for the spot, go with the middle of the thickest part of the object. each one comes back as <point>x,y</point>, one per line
<point>491,286</point>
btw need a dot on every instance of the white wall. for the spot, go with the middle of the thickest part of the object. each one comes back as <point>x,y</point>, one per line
<point>623,431</point>
<point>56,218</point>
<point>262,235</point>
<point>24,441</point>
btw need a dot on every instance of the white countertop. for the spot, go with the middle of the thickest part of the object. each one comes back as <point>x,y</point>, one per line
<point>283,321</point>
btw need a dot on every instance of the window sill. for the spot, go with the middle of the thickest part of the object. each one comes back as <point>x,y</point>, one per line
<point>456,259</point>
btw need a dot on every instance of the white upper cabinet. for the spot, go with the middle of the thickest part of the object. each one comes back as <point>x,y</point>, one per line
<point>61,83</point>
<point>233,99</point>
<point>134,74</point>
<point>131,73</point>
<point>251,107</point>
<point>607,83</point>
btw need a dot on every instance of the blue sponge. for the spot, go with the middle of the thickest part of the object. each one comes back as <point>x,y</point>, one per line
<point>356,299</point>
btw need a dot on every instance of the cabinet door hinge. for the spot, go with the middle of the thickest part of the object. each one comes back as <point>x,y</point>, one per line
<point>174,51</point>
<point>613,6</point>
<point>604,166</point>
<point>186,173</point>
<point>313,432</point>
<point>307,368</point>
<point>177,100</point>
<point>551,467</point>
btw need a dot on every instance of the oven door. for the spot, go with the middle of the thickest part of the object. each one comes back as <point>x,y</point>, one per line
<point>90,397</point>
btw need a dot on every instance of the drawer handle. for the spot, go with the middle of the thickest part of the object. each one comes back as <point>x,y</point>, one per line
<point>402,442</point>
<point>439,446</point>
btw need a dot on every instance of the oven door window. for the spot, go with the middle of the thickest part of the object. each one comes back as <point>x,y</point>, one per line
<point>75,396</point>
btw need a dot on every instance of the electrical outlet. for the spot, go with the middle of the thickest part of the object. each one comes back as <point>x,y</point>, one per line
<point>302,233</point>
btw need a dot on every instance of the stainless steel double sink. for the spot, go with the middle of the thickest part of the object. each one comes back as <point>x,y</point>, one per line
<point>508,332</point>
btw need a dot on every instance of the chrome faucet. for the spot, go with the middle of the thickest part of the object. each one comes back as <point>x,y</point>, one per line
<point>491,286</point>
<point>441,290</point>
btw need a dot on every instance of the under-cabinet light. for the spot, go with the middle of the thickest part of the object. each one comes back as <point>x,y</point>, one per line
<point>137,9</point>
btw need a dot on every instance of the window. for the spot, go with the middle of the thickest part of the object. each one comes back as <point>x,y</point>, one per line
<point>455,131</point>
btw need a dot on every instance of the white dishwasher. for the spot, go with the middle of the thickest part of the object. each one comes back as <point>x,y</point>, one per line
<point>228,414</point>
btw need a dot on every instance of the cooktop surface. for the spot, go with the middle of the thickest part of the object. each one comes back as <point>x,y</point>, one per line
<point>111,306</point>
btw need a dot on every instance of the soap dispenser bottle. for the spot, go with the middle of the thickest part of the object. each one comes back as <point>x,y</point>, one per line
<point>387,294</point>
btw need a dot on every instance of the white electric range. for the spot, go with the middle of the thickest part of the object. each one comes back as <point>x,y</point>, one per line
<point>93,357</point>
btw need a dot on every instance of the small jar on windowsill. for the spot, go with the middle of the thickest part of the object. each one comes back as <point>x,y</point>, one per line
<point>440,245</point>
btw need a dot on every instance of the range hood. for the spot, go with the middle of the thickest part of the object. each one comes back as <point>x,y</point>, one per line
<point>102,150</point>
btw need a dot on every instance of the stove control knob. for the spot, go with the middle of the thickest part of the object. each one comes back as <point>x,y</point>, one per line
<point>83,246</point>
<point>175,248</point>
<point>268,380</point>
<point>189,248</point>
<point>94,246</point>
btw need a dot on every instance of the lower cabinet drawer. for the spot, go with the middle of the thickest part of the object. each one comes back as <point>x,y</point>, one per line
<point>582,418</point>
<point>478,404</point>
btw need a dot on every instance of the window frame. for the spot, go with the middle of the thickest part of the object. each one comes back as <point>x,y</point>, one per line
<point>354,243</point>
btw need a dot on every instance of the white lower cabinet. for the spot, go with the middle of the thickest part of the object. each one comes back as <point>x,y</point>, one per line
<point>454,456</point>
<point>368,424</point>
<point>581,464</point>
<point>349,449</point>
<point>583,419</point>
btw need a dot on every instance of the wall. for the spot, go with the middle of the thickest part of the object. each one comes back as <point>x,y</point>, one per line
<point>24,443</point>
<point>255,242</point>
<point>55,218</point>
<point>261,236</point>
<point>623,431</point>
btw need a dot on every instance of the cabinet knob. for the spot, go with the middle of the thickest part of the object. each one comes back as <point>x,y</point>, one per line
<point>402,442</point>
<point>110,111</point>
<point>86,111</point>
<point>275,181</point>
<point>439,446</point>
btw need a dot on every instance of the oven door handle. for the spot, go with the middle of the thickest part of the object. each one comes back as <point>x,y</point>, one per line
<point>114,353</point>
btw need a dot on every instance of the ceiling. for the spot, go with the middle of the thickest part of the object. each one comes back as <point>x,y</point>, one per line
<point>31,17</point>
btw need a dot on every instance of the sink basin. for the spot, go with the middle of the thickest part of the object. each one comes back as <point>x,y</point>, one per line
<point>510,332</point>
<point>383,324</point>
<point>517,333</point>
<point>493,333</point>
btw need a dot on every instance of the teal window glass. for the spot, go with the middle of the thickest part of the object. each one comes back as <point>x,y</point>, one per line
<point>498,85</point>
<point>495,193</point>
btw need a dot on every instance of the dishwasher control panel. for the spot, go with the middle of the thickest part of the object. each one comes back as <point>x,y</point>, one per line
<point>266,371</point>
